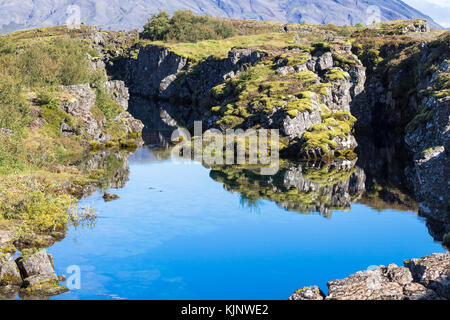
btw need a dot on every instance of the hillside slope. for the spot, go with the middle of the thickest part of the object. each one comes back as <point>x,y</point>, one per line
<point>128,14</point>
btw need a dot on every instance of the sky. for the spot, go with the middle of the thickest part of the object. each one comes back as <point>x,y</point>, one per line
<point>439,10</point>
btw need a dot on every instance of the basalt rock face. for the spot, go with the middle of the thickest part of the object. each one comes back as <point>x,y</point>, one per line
<point>164,86</point>
<point>428,175</point>
<point>421,279</point>
<point>79,106</point>
<point>79,102</point>
<point>168,90</point>
<point>409,100</point>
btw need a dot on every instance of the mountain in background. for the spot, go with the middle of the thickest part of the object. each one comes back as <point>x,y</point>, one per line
<point>128,14</point>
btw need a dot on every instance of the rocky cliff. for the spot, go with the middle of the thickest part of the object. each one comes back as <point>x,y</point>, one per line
<point>297,89</point>
<point>396,86</point>
<point>406,96</point>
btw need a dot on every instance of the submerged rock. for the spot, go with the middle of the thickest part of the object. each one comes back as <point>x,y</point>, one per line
<point>110,196</point>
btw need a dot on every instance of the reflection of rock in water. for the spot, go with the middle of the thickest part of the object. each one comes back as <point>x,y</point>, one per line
<point>112,165</point>
<point>383,159</point>
<point>329,186</point>
<point>153,154</point>
<point>298,187</point>
<point>160,138</point>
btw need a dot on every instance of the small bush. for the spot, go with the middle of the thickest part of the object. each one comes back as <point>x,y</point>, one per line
<point>184,26</point>
<point>58,62</point>
<point>14,112</point>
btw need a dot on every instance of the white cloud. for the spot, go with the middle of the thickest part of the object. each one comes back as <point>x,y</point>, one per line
<point>439,10</point>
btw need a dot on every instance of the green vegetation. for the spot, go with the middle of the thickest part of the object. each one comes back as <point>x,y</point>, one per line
<point>201,50</point>
<point>184,26</point>
<point>421,117</point>
<point>323,135</point>
<point>35,157</point>
<point>337,74</point>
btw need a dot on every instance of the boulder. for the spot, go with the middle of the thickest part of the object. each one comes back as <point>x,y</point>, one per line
<point>324,62</point>
<point>383,283</point>
<point>46,285</point>
<point>39,263</point>
<point>110,196</point>
<point>416,291</point>
<point>433,272</point>
<point>9,292</point>
<point>283,71</point>
<point>422,279</point>
<point>308,293</point>
<point>9,273</point>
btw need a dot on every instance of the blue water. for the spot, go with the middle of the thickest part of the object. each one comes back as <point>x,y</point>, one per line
<point>177,234</point>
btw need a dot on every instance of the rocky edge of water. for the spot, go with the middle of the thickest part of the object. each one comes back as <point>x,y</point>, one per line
<point>30,275</point>
<point>427,278</point>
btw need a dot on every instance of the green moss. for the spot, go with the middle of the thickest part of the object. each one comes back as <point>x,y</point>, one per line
<point>305,77</point>
<point>342,61</point>
<point>321,89</point>
<point>293,107</point>
<point>325,112</point>
<point>424,152</point>
<point>321,46</point>
<point>424,115</point>
<point>295,59</point>
<point>230,121</point>
<point>337,74</point>
<point>320,136</point>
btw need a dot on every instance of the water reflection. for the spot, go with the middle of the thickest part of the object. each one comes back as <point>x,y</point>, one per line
<point>305,187</point>
<point>302,187</point>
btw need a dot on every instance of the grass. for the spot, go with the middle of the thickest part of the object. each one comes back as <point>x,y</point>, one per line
<point>37,162</point>
<point>219,49</point>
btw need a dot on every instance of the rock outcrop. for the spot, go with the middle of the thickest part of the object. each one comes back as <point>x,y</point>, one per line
<point>408,97</point>
<point>31,274</point>
<point>168,90</point>
<point>427,278</point>
<point>79,101</point>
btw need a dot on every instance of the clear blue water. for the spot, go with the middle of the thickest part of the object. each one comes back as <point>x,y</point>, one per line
<point>175,233</point>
